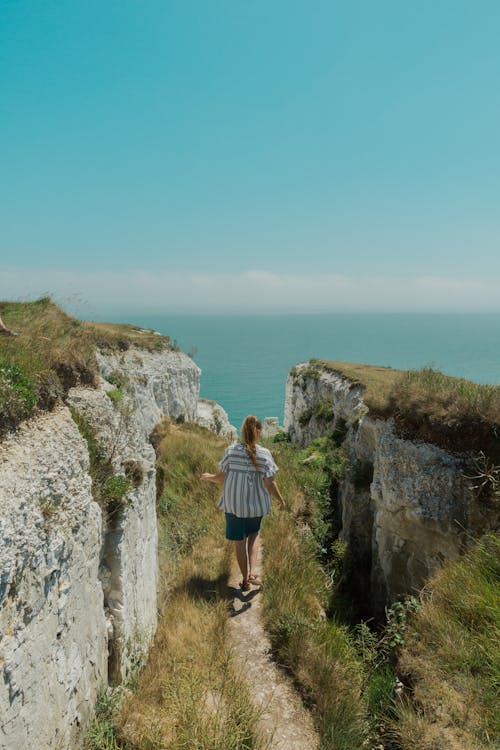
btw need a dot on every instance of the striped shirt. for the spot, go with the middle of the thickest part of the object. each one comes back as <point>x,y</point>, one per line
<point>244,493</point>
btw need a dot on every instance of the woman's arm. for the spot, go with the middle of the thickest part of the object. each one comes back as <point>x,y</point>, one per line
<point>272,488</point>
<point>217,478</point>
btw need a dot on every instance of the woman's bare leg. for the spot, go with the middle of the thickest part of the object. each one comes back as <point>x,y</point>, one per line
<point>253,553</point>
<point>241,556</point>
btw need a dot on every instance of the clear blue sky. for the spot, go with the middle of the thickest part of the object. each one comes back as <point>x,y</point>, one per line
<point>243,154</point>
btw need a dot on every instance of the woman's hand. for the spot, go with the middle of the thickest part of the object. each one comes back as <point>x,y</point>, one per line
<point>217,478</point>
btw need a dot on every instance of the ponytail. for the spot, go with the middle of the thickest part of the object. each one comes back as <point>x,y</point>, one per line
<point>249,436</point>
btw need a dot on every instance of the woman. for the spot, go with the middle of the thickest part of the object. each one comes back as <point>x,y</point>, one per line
<point>247,472</point>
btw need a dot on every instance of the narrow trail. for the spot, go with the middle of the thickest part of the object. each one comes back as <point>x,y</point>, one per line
<point>281,716</point>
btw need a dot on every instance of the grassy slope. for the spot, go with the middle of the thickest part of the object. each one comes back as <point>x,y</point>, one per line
<point>53,353</point>
<point>425,404</point>
<point>452,655</point>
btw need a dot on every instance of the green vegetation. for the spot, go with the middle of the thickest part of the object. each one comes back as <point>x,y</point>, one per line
<point>452,657</point>
<point>122,336</point>
<point>101,733</point>
<point>116,395</point>
<point>450,412</point>
<point>17,396</point>
<point>444,648</point>
<point>53,353</point>
<point>320,651</point>
<point>190,694</point>
<point>322,411</point>
<point>111,491</point>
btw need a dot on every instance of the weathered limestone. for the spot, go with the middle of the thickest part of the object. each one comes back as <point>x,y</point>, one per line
<point>405,506</point>
<point>78,593</point>
<point>304,391</point>
<point>271,427</point>
<point>129,565</point>
<point>163,382</point>
<point>53,639</point>
<point>211,415</point>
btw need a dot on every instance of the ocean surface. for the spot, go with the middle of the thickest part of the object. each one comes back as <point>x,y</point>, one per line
<point>245,358</point>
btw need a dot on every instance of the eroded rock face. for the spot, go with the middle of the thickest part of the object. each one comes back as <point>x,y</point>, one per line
<point>405,507</point>
<point>162,383</point>
<point>211,415</point>
<point>53,638</point>
<point>314,405</point>
<point>78,588</point>
<point>129,554</point>
<point>270,427</point>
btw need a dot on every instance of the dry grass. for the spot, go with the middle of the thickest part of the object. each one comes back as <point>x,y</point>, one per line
<point>451,412</point>
<point>190,694</point>
<point>319,652</point>
<point>452,658</point>
<point>54,352</point>
<point>123,336</point>
<point>377,382</point>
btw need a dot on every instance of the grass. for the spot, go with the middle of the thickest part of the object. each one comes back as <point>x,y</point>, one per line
<point>377,382</point>
<point>452,658</point>
<point>445,648</point>
<point>109,490</point>
<point>122,336</point>
<point>319,651</point>
<point>190,694</point>
<point>53,353</point>
<point>453,413</point>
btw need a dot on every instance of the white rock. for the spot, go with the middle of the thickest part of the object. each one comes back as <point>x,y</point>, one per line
<point>54,642</point>
<point>163,383</point>
<point>211,415</point>
<point>129,558</point>
<point>270,427</point>
<point>405,507</point>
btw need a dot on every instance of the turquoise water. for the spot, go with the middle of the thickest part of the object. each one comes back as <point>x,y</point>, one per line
<point>245,359</point>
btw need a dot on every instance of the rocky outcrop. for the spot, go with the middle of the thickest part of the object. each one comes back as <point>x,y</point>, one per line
<point>211,415</point>
<point>78,582</point>
<point>404,507</point>
<point>160,383</point>
<point>270,427</point>
<point>53,647</point>
<point>316,402</point>
<point>129,548</point>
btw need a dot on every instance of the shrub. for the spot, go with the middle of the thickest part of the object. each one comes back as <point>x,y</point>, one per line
<point>18,397</point>
<point>116,395</point>
<point>134,472</point>
<point>109,490</point>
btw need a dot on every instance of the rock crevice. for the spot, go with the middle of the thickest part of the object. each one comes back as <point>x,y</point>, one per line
<point>405,506</point>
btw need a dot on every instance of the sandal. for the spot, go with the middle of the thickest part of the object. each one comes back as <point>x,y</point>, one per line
<point>255,580</point>
<point>244,585</point>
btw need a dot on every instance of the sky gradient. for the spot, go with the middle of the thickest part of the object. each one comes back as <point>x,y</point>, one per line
<point>251,156</point>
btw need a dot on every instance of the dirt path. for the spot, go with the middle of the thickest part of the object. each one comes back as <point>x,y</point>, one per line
<point>281,717</point>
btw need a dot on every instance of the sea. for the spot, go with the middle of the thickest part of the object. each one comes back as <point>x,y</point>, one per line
<point>245,359</point>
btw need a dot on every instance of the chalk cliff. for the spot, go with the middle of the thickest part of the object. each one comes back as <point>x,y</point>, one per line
<point>78,582</point>
<point>404,506</point>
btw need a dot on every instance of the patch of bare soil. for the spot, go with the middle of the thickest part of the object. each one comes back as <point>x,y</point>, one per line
<point>281,717</point>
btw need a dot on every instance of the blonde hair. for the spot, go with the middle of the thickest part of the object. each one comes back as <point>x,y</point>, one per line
<point>249,436</point>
